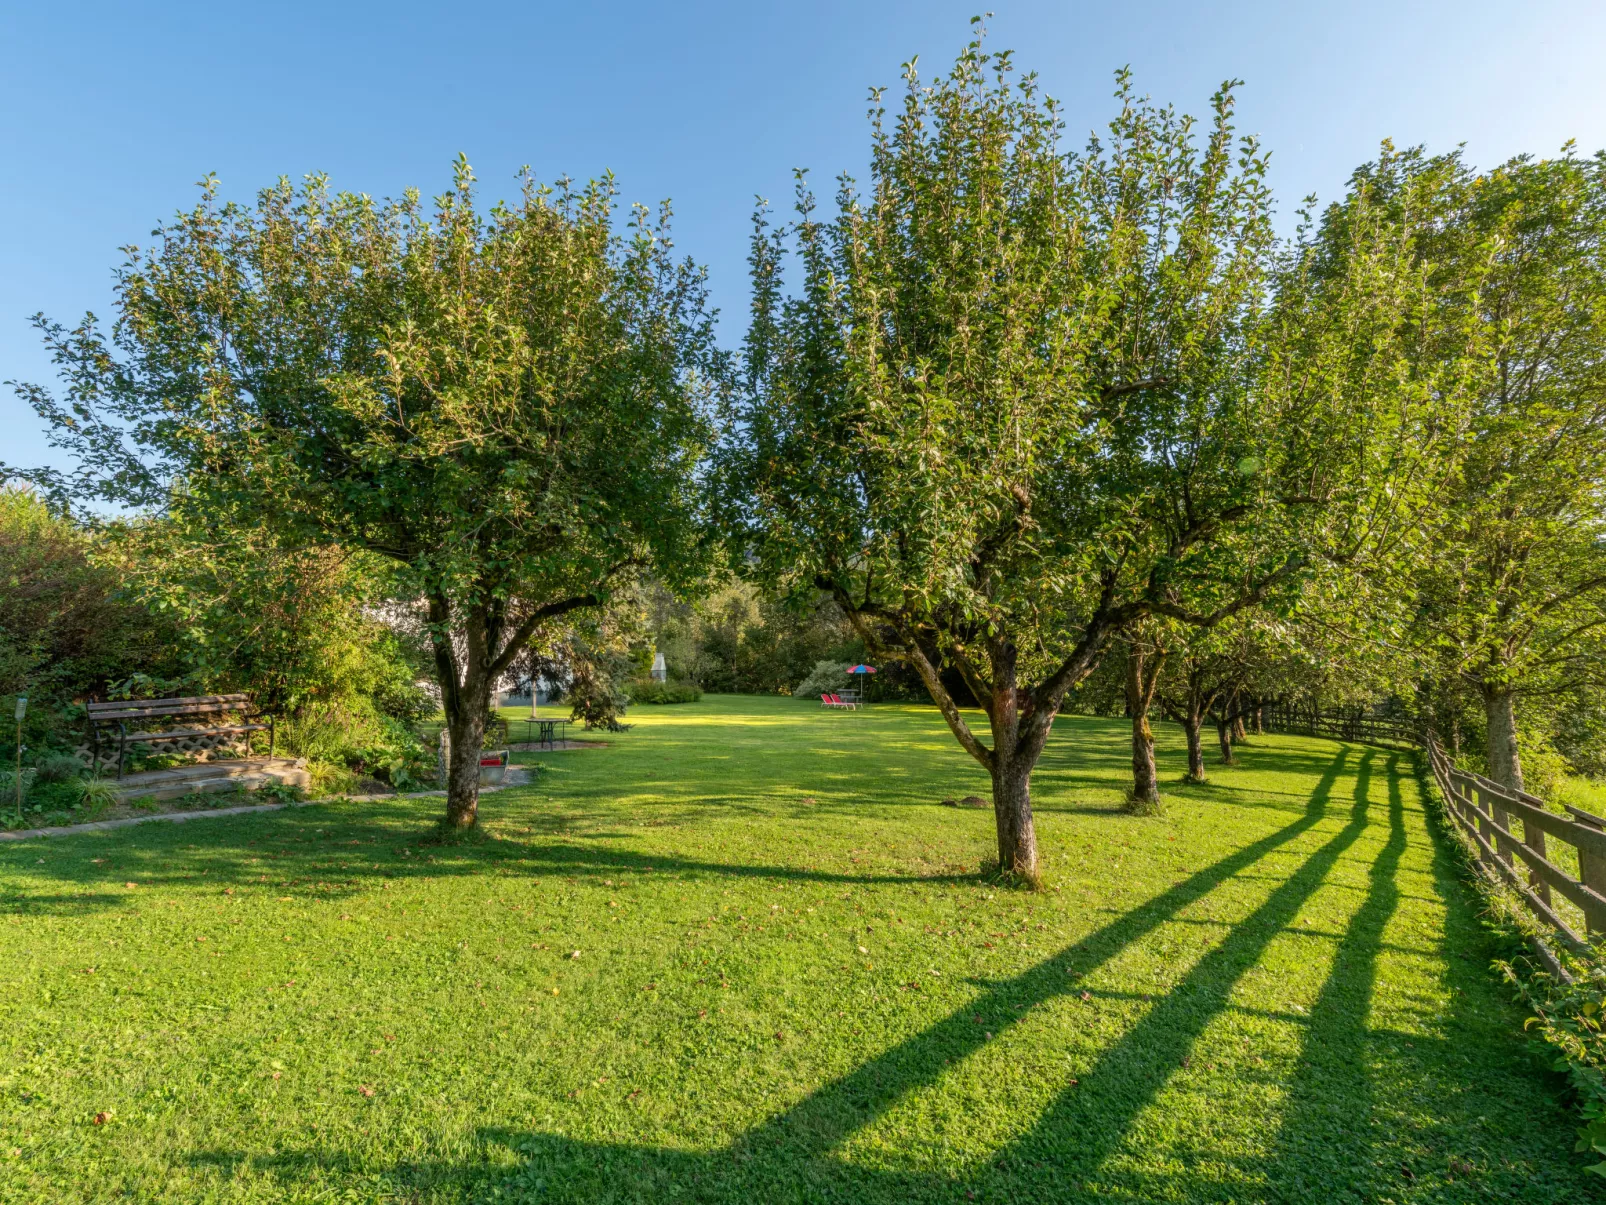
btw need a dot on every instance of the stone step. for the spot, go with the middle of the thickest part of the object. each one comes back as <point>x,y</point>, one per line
<point>207,778</point>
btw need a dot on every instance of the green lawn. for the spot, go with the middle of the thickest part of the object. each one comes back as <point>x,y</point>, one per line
<point>791,986</point>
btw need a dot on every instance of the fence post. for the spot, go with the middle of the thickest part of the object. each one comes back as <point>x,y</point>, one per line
<point>1592,872</point>
<point>1534,839</point>
<point>1484,826</point>
<point>1491,804</point>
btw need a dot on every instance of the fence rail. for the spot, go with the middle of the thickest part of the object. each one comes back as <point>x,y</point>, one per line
<point>1510,830</point>
<point>1340,725</point>
<point>1564,887</point>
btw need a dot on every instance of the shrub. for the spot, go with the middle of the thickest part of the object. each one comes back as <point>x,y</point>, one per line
<point>648,691</point>
<point>327,778</point>
<point>826,677</point>
<point>58,767</point>
<point>1570,1020</point>
<point>397,757</point>
<point>402,699</point>
<point>8,785</point>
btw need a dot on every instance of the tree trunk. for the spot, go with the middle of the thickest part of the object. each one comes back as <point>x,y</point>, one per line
<point>1260,721</point>
<point>1192,723</point>
<point>465,684</point>
<point>1139,688</point>
<point>1238,733</point>
<point>1505,761</point>
<point>1224,736</point>
<point>1012,811</point>
<point>467,728</point>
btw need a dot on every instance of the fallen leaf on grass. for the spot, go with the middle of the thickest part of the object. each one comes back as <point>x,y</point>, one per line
<point>365,1089</point>
<point>575,955</point>
<point>130,885</point>
<point>103,1117</point>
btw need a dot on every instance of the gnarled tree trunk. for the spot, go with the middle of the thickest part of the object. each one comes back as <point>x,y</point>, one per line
<point>1012,815</point>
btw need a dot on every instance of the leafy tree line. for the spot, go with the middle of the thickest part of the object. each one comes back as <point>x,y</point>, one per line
<point>1017,419</point>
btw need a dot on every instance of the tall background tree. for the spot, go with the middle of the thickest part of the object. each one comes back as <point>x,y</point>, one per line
<point>1022,398</point>
<point>508,406</point>
<point>1511,585</point>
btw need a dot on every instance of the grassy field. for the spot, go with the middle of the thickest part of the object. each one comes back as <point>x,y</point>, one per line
<point>743,955</point>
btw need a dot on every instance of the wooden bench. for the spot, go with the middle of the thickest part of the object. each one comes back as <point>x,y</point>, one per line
<point>122,720</point>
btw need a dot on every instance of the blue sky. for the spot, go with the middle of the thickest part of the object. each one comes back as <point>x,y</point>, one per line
<point>110,112</point>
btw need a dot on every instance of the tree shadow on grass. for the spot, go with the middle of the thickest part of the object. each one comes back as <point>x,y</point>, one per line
<point>331,853</point>
<point>1326,1144</point>
<point>1382,1114</point>
<point>792,1157</point>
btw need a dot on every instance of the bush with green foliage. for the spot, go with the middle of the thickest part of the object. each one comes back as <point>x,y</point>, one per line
<point>351,736</point>
<point>1570,1021</point>
<point>649,691</point>
<point>58,768</point>
<point>825,678</point>
<point>67,629</point>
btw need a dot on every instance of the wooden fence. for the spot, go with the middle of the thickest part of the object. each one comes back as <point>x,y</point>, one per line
<point>1564,886</point>
<point>1510,830</point>
<point>1342,725</point>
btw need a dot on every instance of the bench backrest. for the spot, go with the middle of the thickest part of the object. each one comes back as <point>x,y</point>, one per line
<point>156,709</point>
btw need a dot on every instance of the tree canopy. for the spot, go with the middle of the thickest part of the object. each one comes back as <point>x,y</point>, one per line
<point>509,406</point>
<point>1023,397</point>
<point>1511,587</point>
